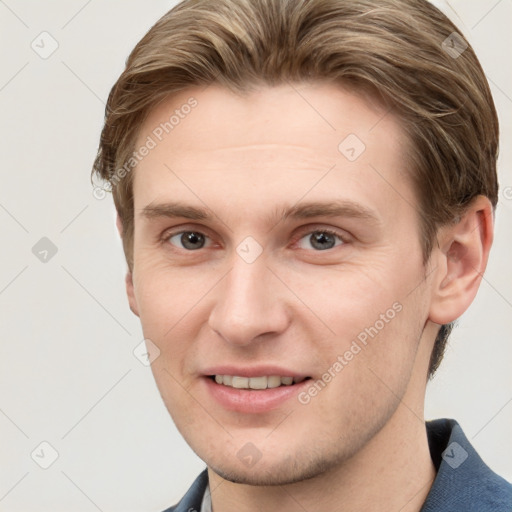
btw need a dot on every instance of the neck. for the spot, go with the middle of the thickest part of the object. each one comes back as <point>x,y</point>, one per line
<point>393,471</point>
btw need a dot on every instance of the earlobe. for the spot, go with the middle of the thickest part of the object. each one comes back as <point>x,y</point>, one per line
<point>130,292</point>
<point>461,260</point>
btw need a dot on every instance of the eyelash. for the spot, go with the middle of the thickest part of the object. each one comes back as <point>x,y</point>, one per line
<point>343,238</point>
<point>328,231</point>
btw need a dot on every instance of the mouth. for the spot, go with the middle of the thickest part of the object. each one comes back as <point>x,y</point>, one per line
<point>253,389</point>
<point>257,383</point>
<point>255,394</point>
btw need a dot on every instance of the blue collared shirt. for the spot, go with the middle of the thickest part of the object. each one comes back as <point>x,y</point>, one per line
<point>464,483</point>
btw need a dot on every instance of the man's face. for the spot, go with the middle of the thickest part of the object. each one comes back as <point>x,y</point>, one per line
<point>250,292</point>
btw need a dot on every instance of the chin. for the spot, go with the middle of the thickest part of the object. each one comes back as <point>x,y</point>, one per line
<point>284,472</point>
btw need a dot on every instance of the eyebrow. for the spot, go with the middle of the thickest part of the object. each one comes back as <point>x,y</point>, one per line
<point>304,210</point>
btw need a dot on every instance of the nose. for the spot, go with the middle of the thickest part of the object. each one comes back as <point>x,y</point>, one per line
<point>249,303</point>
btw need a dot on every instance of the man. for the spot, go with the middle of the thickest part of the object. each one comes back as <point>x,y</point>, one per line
<point>305,192</point>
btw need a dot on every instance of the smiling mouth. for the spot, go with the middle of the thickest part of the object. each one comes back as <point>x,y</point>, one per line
<point>256,383</point>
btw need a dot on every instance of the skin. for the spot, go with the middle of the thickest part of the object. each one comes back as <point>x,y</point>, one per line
<point>360,443</point>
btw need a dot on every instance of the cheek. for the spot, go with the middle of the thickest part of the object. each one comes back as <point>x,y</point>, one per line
<point>169,303</point>
<point>368,315</point>
<point>166,294</point>
<point>173,309</point>
<point>349,299</point>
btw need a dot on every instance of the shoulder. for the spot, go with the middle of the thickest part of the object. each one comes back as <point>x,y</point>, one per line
<point>463,481</point>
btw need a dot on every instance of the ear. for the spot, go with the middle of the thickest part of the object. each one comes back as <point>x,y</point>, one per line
<point>130,292</point>
<point>460,261</point>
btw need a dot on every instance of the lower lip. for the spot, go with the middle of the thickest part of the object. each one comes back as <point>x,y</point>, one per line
<point>252,401</point>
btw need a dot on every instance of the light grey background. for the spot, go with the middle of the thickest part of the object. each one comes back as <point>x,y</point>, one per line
<point>68,376</point>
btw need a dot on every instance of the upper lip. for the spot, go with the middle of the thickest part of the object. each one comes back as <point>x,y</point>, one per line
<point>252,371</point>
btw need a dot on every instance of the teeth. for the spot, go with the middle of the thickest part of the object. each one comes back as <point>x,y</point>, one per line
<point>258,382</point>
<point>273,382</point>
<point>263,382</point>
<point>240,382</point>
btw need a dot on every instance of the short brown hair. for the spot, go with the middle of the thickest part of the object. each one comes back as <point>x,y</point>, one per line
<point>406,51</point>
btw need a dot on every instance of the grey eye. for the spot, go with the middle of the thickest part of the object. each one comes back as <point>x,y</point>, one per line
<point>321,240</point>
<point>190,240</point>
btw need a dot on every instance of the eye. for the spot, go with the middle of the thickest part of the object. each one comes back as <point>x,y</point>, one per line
<point>320,239</point>
<point>189,240</point>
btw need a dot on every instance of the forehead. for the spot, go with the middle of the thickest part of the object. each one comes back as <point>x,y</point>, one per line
<point>271,146</point>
